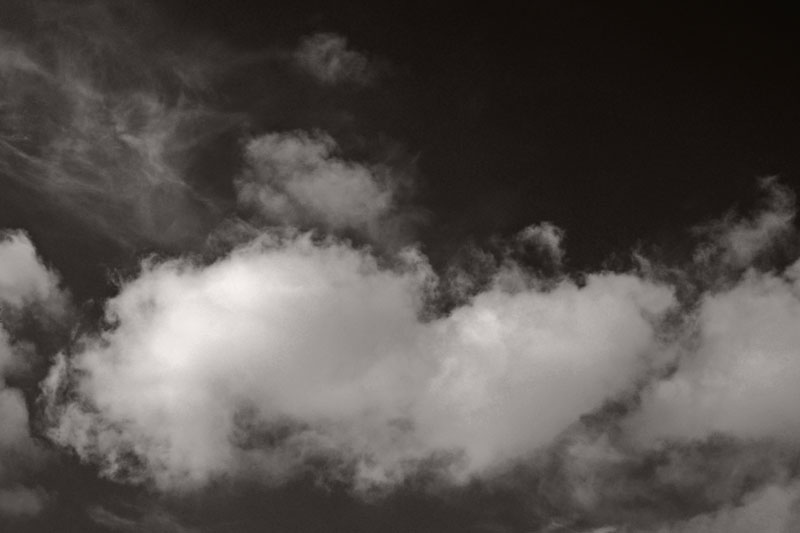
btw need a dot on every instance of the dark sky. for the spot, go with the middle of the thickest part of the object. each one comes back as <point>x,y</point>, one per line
<point>618,121</point>
<point>508,267</point>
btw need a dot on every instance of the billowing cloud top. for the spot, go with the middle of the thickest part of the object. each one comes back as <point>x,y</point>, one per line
<point>318,343</point>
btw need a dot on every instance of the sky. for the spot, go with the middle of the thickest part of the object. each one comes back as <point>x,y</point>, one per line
<point>421,267</point>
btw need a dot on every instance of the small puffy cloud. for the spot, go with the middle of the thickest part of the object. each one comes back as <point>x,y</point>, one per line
<point>23,278</point>
<point>296,179</point>
<point>327,58</point>
<point>288,350</point>
<point>545,238</point>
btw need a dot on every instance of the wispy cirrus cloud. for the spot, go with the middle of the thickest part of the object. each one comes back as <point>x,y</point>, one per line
<point>99,126</point>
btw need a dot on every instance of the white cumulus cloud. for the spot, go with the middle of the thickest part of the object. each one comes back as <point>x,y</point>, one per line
<point>740,374</point>
<point>289,349</point>
<point>297,179</point>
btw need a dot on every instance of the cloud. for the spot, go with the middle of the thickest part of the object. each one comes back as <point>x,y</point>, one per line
<point>149,521</point>
<point>508,355</point>
<point>14,415</point>
<point>327,58</point>
<point>23,279</point>
<point>99,125</point>
<point>21,502</point>
<point>718,420</point>
<point>24,283</point>
<point>297,179</point>
<point>300,354</point>
<point>290,350</point>
<point>740,373</point>
<point>737,242</point>
<point>546,238</point>
<point>771,510</point>
<point>737,368</point>
<point>713,420</point>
